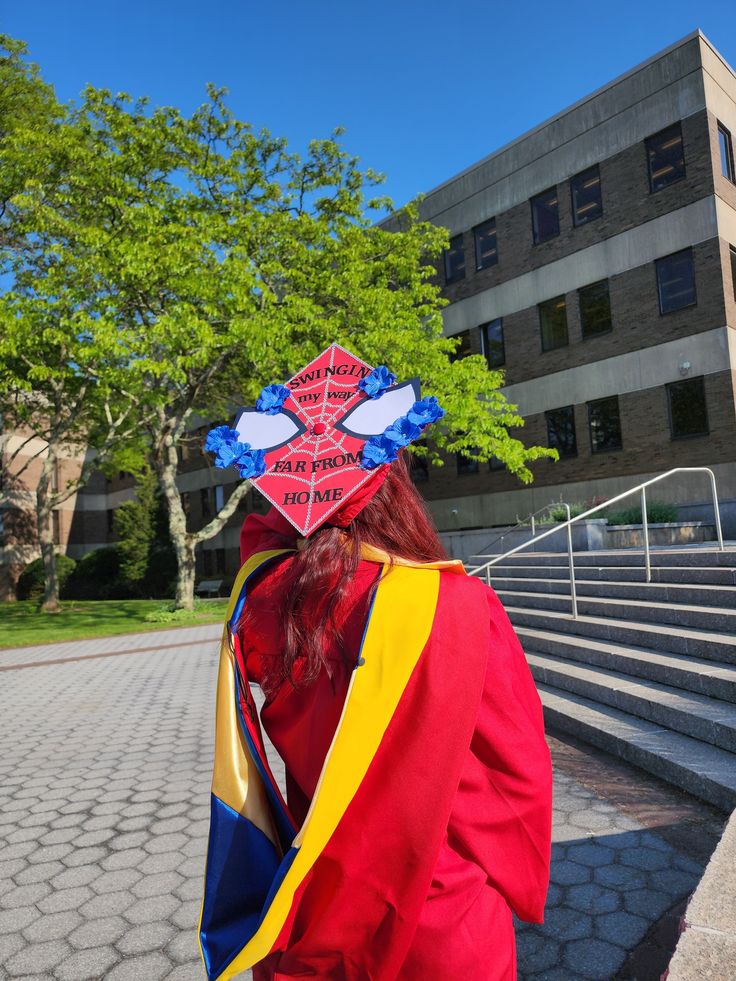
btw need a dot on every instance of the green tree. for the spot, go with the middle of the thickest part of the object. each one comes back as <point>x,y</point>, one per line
<point>134,526</point>
<point>215,261</point>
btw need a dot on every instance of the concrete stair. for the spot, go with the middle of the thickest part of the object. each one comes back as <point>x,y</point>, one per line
<point>648,670</point>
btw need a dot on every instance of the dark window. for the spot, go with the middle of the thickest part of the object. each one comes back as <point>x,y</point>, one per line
<point>676,281</point>
<point>491,339</point>
<point>463,348</point>
<point>455,260</point>
<point>110,520</point>
<point>219,561</point>
<point>595,308</point>
<point>466,465</point>
<point>219,498</point>
<point>732,250</point>
<point>486,247</point>
<point>725,146</point>
<point>688,412</point>
<point>604,424</point>
<point>205,498</point>
<point>666,157</point>
<point>185,503</point>
<point>585,189</point>
<point>553,323</point>
<point>55,528</point>
<point>561,430</point>
<point>545,216</point>
<point>207,561</point>
<point>419,468</point>
<point>495,463</point>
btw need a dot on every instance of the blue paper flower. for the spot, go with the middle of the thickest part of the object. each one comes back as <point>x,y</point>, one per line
<point>216,437</point>
<point>378,380</point>
<point>272,398</point>
<point>426,411</point>
<point>250,462</point>
<point>403,431</point>
<point>379,450</point>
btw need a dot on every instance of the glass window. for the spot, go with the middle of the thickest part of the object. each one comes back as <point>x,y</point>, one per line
<point>676,281</point>
<point>419,466</point>
<point>491,342</point>
<point>220,561</point>
<point>207,561</point>
<point>732,250</point>
<point>455,260</point>
<point>463,348</point>
<point>553,323</point>
<point>495,463</point>
<point>486,248</point>
<point>561,430</point>
<point>545,216</point>
<point>666,157</point>
<point>585,189</point>
<point>604,424</point>
<point>110,521</point>
<point>725,146</point>
<point>219,497</point>
<point>466,465</point>
<point>204,496</point>
<point>595,309</point>
<point>688,412</point>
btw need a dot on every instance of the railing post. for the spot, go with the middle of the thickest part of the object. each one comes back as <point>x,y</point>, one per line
<point>533,527</point>
<point>645,529</point>
<point>716,510</point>
<point>571,564</point>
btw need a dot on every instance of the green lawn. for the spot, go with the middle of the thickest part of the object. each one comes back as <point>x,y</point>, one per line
<point>21,624</point>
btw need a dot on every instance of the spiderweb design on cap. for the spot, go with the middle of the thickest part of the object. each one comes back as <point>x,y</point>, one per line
<point>311,444</point>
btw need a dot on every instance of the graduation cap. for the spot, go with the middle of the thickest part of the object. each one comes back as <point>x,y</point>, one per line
<point>310,445</point>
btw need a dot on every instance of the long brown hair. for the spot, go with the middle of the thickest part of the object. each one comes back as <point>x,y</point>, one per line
<point>319,577</point>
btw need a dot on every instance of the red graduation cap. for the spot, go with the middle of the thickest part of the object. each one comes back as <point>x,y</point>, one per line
<point>311,444</point>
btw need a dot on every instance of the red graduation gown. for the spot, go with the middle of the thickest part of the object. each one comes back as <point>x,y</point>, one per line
<point>494,854</point>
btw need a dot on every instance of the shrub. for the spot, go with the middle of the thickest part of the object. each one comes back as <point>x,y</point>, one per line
<point>97,576</point>
<point>31,581</point>
<point>657,511</point>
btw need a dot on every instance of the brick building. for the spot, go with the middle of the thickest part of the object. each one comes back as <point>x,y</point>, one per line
<point>594,260</point>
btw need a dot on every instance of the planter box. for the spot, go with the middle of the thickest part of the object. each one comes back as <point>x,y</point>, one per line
<point>586,535</point>
<point>664,533</point>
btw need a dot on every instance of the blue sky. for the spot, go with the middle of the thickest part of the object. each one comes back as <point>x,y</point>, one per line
<point>423,89</point>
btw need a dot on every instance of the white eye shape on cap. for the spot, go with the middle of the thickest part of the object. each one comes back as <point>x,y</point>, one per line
<point>265,432</point>
<point>372,415</point>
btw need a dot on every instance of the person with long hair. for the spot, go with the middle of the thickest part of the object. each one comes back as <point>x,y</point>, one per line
<point>417,813</point>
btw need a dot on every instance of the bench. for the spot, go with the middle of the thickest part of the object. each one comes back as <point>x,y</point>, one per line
<point>208,587</point>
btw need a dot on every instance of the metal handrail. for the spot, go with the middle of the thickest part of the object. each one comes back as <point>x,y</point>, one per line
<point>521,522</point>
<point>486,567</point>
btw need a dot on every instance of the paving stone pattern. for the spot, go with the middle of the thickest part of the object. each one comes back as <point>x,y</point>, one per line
<point>104,806</point>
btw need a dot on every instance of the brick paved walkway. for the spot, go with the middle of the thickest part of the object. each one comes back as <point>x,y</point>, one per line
<point>104,804</point>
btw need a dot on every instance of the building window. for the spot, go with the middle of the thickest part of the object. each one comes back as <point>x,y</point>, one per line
<point>585,189</point>
<point>553,323</point>
<point>207,562</point>
<point>687,408</point>
<point>455,260</point>
<point>110,521</point>
<point>486,247</point>
<point>220,561</point>
<point>205,499</point>
<point>419,468</point>
<point>595,309</point>
<point>491,340</point>
<point>185,503</point>
<point>466,465</point>
<point>604,424</point>
<point>561,430</point>
<point>496,463</point>
<point>676,281</point>
<point>545,216</point>
<point>732,250</point>
<point>463,348</point>
<point>55,528</point>
<point>666,157</point>
<point>219,498</point>
<point>725,146</point>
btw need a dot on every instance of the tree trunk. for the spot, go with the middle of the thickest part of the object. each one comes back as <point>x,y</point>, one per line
<point>185,577</point>
<point>45,529</point>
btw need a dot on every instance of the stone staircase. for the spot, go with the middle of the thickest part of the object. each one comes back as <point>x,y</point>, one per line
<point>648,670</point>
